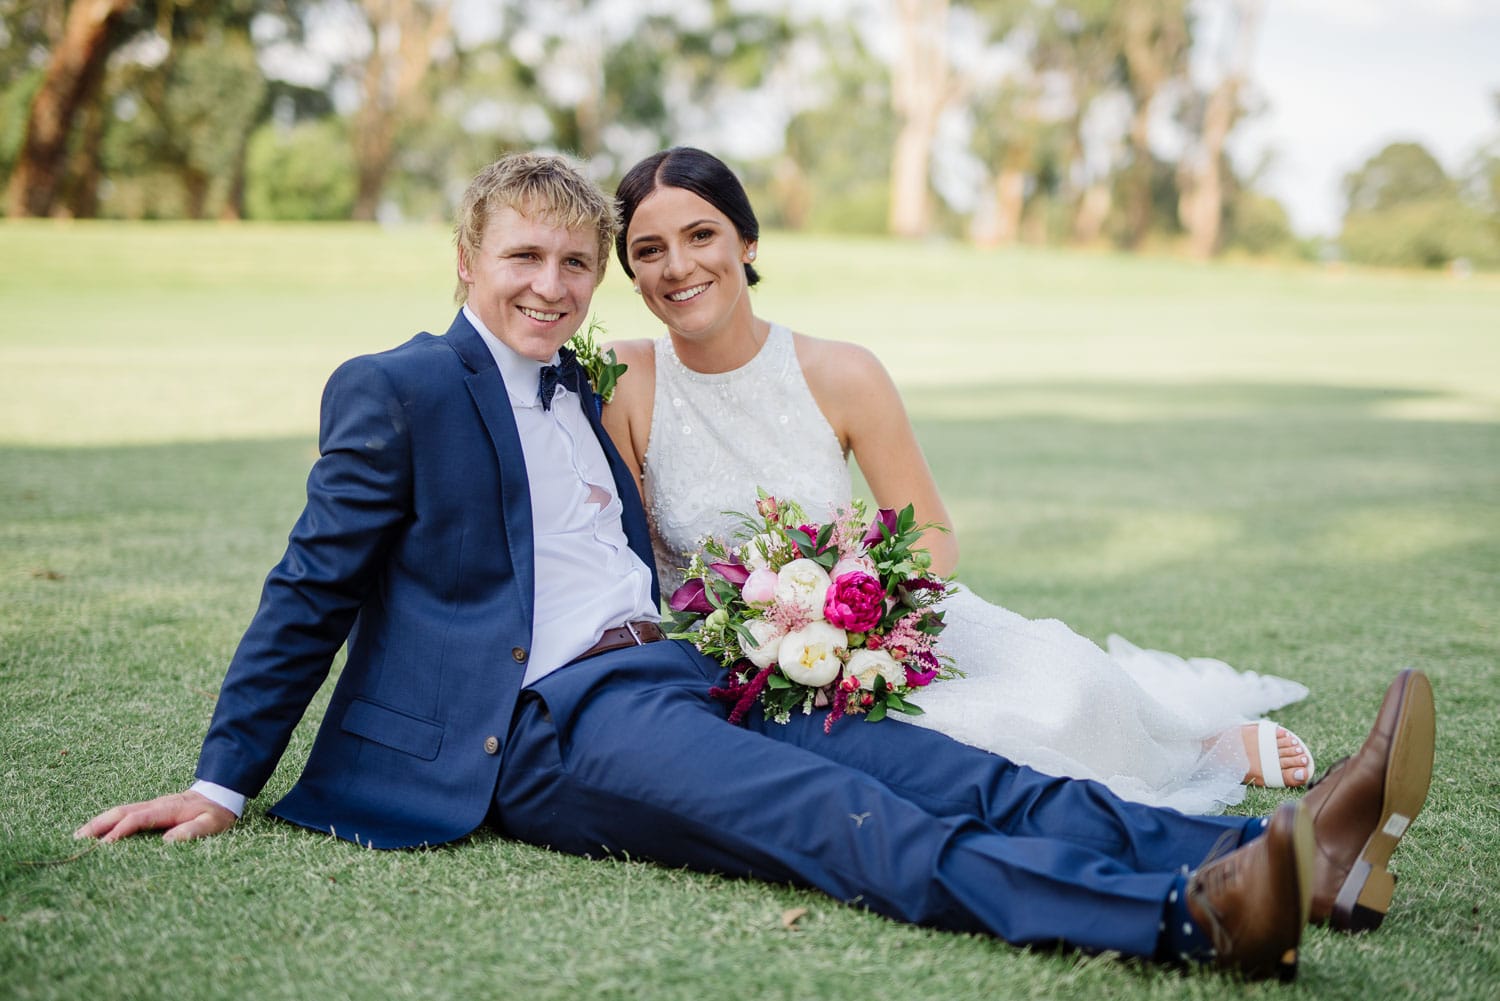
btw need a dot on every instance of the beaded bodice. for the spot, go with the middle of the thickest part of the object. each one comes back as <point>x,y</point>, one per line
<point>716,437</point>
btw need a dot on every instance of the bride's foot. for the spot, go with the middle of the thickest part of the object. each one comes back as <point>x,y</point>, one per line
<point>1291,762</point>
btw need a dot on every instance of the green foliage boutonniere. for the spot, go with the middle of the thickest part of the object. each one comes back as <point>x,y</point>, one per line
<point>602,367</point>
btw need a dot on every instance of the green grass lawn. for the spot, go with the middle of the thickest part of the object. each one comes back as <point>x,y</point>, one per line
<point>1297,470</point>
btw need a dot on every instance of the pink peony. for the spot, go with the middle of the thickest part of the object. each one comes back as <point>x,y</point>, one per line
<point>855,602</point>
<point>760,586</point>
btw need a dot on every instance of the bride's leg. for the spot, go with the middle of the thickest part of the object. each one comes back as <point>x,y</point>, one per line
<point>1292,757</point>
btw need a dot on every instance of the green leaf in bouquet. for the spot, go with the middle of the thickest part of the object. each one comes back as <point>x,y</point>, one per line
<point>777,681</point>
<point>876,713</point>
<point>744,634</point>
<point>802,539</point>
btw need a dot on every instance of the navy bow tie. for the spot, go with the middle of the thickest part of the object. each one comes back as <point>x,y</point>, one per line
<point>564,373</point>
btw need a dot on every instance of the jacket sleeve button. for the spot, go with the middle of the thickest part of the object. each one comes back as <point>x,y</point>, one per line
<point>518,654</point>
<point>492,745</point>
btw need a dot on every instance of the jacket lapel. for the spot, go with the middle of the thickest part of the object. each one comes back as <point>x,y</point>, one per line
<point>488,391</point>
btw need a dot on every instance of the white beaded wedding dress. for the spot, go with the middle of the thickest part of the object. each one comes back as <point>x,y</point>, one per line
<point>1153,727</point>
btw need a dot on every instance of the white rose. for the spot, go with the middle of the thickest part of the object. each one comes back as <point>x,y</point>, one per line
<point>867,665</point>
<point>769,638</point>
<point>802,584</point>
<point>753,553</point>
<point>809,656</point>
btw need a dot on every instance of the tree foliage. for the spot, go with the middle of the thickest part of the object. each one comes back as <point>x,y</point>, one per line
<point>1405,211</point>
<point>1084,121</point>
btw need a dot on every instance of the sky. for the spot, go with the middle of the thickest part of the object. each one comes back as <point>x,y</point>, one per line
<point>1343,78</point>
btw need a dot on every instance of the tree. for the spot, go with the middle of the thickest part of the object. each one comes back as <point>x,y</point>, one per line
<point>617,82</point>
<point>834,174</point>
<point>1405,211</point>
<point>1400,174</point>
<point>404,38</point>
<point>1201,181</point>
<point>921,87</point>
<point>1154,38</point>
<point>72,80</point>
<point>1031,128</point>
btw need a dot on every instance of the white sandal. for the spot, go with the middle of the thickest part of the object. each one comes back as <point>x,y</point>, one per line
<point>1271,778</point>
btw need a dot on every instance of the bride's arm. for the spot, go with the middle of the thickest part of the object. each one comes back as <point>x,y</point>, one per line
<point>856,394</point>
<point>627,417</point>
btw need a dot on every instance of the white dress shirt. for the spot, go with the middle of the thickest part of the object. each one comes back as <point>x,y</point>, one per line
<point>588,579</point>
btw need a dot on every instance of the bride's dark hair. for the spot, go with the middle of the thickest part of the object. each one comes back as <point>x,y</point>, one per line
<point>705,175</point>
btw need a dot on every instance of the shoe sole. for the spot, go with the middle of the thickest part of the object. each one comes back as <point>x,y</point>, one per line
<point>1365,895</point>
<point>1305,852</point>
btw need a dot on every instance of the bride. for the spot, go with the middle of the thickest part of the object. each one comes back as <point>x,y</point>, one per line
<point>727,402</point>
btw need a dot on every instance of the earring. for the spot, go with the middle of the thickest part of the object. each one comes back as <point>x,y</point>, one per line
<point>751,255</point>
<point>637,290</point>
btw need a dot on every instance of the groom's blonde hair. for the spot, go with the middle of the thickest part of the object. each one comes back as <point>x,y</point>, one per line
<point>548,188</point>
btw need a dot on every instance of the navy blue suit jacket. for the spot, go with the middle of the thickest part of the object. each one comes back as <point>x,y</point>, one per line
<point>416,547</point>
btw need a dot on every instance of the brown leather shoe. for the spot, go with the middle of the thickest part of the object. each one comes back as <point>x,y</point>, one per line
<point>1253,902</point>
<point>1365,803</point>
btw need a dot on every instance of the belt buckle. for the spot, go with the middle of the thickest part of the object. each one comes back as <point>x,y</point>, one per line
<point>630,628</point>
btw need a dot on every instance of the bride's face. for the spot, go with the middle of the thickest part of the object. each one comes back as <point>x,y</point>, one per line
<point>688,261</point>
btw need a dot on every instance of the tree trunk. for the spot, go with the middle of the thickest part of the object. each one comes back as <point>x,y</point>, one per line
<point>1136,179</point>
<point>1153,37</point>
<point>195,183</point>
<point>911,204</point>
<point>1093,211</point>
<point>403,33</point>
<point>75,68</point>
<point>919,91</point>
<point>1200,204</point>
<point>84,171</point>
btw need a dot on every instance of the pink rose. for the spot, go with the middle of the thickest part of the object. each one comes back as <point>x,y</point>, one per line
<point>760,586</point>
<point>855,602</point>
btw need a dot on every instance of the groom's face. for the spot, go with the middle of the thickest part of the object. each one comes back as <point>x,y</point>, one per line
<point>531,281</point>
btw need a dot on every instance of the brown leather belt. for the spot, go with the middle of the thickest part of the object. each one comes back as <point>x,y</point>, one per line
<point>630,634</point>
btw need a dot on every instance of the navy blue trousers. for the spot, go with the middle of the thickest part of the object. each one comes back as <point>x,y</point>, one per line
<point>626,753</point>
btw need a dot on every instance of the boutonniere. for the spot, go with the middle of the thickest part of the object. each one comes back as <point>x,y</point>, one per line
<point>602,367</point>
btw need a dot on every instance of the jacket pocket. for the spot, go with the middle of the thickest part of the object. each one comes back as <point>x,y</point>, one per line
<point>401,731</point>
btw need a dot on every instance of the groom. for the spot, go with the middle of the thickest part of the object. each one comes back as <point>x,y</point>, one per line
<point>473,535</point>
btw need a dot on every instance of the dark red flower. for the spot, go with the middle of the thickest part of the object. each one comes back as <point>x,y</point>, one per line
<point>930,668</point>
<point>735,572</point>
<point>690,597</point>
<point>885,516</point>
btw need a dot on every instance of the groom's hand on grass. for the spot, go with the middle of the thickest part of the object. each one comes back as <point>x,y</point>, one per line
<point>184,815</point>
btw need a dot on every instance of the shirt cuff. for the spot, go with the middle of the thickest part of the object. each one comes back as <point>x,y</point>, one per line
<point>227,798</point>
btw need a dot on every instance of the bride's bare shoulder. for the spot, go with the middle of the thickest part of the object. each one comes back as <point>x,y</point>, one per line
<point>639,351</point>
<point>828,364</point>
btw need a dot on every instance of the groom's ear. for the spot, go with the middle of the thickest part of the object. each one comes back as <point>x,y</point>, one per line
<point>463,267</point>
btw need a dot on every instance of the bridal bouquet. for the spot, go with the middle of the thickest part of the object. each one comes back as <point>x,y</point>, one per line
<point>812,615</point>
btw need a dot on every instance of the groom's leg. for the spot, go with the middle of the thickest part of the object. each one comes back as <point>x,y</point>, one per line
<point>950,778</point>
<point>624,754</point>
